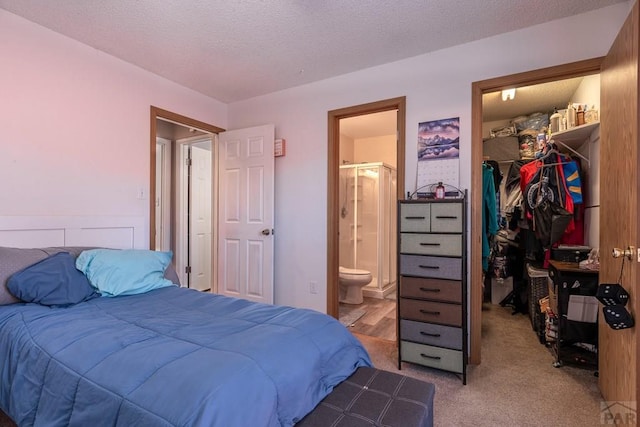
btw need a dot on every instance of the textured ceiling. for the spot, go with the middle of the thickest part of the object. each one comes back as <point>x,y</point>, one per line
<point>237,49</point>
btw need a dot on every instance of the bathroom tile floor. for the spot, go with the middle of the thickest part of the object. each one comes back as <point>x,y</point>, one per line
<point>379,319</point>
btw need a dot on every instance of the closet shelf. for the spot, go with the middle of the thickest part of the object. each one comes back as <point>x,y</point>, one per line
<point>576,136</point>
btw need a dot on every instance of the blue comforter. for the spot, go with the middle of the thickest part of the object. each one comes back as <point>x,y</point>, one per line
<point>169,357</point>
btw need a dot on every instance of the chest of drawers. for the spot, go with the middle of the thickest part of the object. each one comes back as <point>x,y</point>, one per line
<point>432,284</point>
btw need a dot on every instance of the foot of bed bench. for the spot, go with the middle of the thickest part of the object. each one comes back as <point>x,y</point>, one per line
<point>375,397</point>
<point>5,421</point>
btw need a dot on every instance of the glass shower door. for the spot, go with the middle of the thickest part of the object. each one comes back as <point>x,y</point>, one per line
<point>367,229</point>
<point>346,240</point>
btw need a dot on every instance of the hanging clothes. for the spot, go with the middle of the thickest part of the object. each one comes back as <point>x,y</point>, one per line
<point>497,180</point>
<point>489,218</point>
<point>548,201</point>
<point>571,172</point>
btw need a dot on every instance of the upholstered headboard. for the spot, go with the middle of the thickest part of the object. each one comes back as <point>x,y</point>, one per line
<point>118,232</point>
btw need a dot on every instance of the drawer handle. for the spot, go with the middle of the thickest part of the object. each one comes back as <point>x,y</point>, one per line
<point>429,244</point>
<point>429,290</point>
<point>429,334</point>
<point>446,217</point>
<point>430,267</point>
<point>415,217</point>
<point>430,357</point>
<point>435,313</point>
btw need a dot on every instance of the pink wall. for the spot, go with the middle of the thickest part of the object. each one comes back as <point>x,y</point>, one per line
<point>74,124</point>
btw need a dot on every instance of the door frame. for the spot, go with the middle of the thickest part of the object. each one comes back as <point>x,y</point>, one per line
<point>164,205</point>
<point>528,78</point>
<point>333,189</point>
<point>155,114</point>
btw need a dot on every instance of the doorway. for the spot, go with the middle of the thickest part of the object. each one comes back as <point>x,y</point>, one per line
<point>397,107</point>
<point>576,69</point>
<point>194,211</point>
<point>182,209</point>
<point>367,229</point>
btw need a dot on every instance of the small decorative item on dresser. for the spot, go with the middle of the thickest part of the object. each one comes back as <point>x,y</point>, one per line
<point>440,191</point>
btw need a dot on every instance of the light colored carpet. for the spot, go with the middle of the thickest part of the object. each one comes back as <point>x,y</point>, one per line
<point>349,317</point>
<point>515,385</point>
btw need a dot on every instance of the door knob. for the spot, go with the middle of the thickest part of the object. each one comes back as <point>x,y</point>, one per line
<point>265,232</point>
<point>619,253</point>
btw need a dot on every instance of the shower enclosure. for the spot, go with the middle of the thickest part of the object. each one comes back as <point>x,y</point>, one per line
<point>368,224</point>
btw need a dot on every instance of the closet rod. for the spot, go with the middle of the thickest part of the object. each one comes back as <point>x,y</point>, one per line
<point>571,149</point>
<point>546,165</point>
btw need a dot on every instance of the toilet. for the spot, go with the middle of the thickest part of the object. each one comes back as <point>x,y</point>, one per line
<point>351,283</point>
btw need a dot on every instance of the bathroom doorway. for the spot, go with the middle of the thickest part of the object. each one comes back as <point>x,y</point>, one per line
<point>367,178</point>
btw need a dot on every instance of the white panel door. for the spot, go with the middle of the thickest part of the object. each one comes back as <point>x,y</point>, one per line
<point>200,257</point>
<point>246,212</point>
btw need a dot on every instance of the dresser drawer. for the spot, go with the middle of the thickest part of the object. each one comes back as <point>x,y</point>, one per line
<point>430,311</point>
<point>433,289</point>
<point>432,334</point>
<point>428,266</point>
<point>431,244</point>
<point>415,217</point>
<point>446,218</point>
<point>436,357</point>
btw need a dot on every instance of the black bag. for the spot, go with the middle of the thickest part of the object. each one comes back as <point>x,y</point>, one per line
<point>550,220</point>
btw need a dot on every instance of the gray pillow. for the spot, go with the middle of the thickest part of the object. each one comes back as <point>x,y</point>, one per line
<point>13,260</point>
<point>170,273</point>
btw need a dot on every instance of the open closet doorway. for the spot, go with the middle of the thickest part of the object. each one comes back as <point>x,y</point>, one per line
<point>618,205</point>
<point>493,87</point>
<point>182,195</point>
<point>366,174</point>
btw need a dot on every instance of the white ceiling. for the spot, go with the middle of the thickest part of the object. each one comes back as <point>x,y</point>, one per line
<point>235,50</point>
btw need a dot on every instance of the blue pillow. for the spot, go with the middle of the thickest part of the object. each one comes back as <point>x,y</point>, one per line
<point>54,281</point>
<point>124,272</point>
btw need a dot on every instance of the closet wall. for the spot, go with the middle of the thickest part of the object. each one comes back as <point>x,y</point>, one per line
<point>589,90</point>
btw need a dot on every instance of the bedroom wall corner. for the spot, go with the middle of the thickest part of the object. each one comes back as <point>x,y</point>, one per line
<point>75,124</point>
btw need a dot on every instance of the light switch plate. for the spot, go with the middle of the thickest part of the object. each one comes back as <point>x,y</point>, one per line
<point>279,147</point>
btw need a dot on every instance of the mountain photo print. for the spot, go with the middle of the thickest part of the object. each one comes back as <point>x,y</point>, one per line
<point>439,139</point>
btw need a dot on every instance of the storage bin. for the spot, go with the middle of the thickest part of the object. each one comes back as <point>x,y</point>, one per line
<point>537,289</point>
<point>540,319</point>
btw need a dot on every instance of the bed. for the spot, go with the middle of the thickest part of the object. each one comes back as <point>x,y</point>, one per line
<point>165,356</point>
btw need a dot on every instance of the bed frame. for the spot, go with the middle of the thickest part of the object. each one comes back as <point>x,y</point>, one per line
<point>118,232</point>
